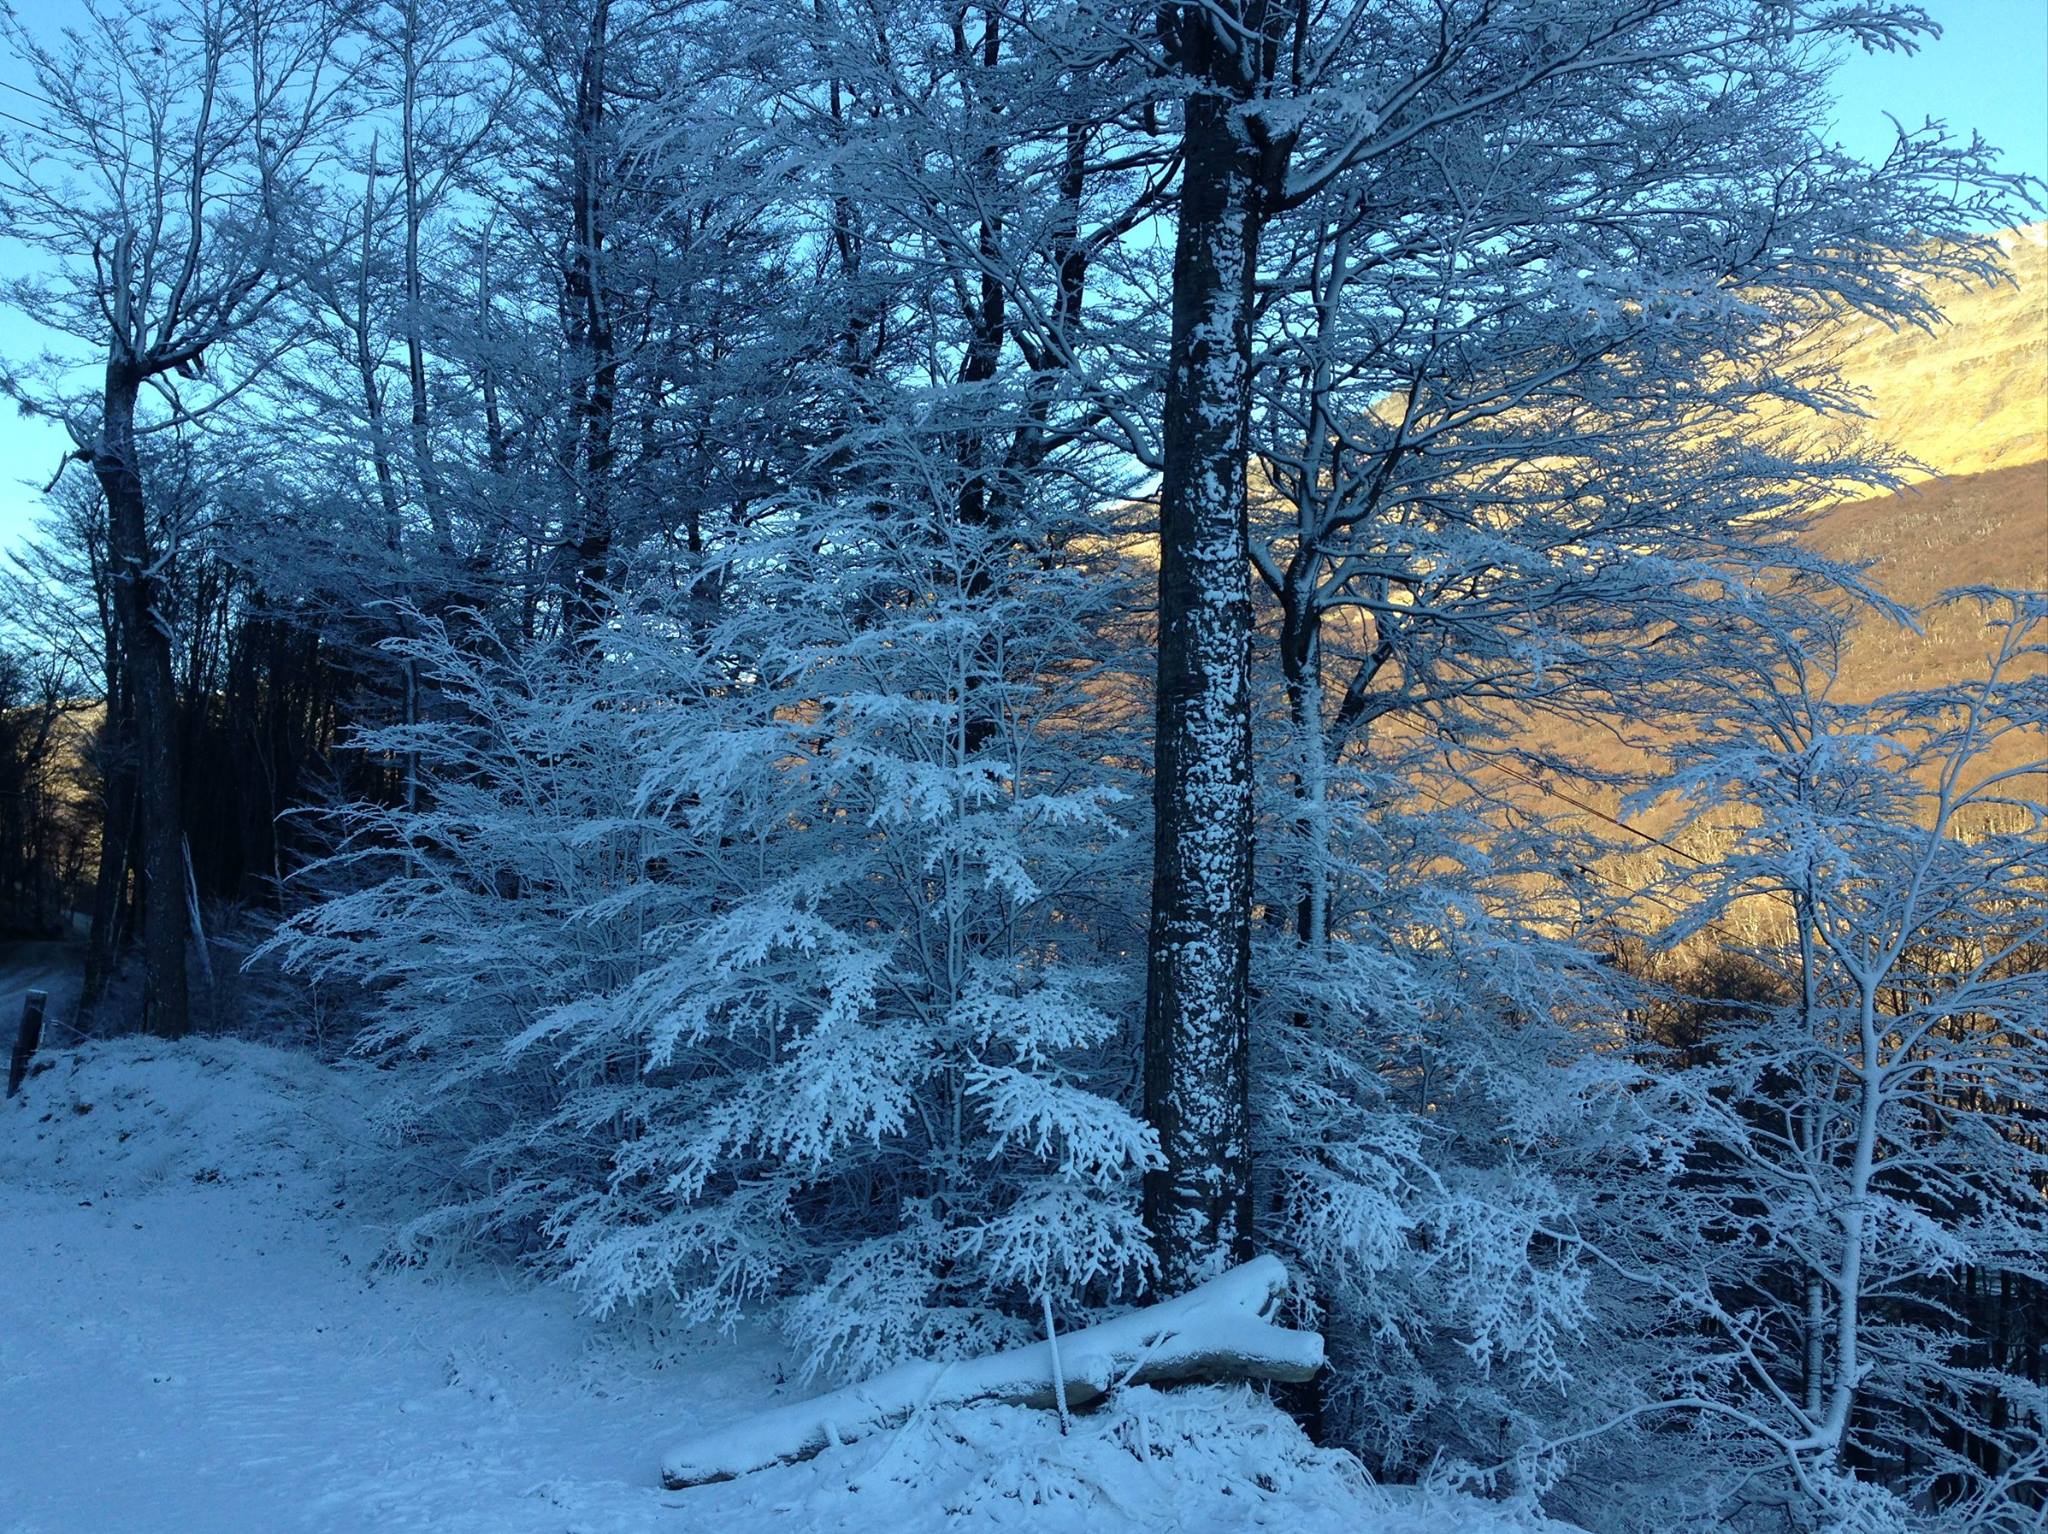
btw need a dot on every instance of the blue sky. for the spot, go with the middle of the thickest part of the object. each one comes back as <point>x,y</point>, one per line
<point>1988,71</point>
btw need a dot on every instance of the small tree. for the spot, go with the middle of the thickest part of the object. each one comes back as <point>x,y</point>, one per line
<point>760,984</point>
<point>1857,1149</point>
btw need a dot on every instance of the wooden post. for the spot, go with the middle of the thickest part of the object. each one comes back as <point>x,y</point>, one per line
<point>26,1041</point>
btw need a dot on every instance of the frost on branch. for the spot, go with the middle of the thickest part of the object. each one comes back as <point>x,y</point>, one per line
<point>1220,1331</point>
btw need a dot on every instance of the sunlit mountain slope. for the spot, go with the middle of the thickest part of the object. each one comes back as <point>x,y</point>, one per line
<point>1972,394</point>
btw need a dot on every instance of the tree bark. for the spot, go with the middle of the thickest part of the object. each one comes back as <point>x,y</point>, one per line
<point>1198,1205</point>
<point>117,836</point>
<point>146,659</point>
<point>415,292</point>
<point>591,347</point>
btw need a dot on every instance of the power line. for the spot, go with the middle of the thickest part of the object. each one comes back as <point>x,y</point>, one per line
<point>97,151</point>
<point>1599,814</point>
<point>1713,924</point>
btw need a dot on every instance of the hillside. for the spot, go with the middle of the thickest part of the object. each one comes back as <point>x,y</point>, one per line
<point>1970,401</point>
<point>1971,395</point>
<point>1974,529</point>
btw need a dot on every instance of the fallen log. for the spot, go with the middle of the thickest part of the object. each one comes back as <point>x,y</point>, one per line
<point>1220,1331</point>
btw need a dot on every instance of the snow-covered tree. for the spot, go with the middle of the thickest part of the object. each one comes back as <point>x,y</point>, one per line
<point>759,977</point>
<point>1522,157</point>
<point>170,154</point>
<point>1877,1127</point>
<point>1852,1146</point>
<point>1525,459</point>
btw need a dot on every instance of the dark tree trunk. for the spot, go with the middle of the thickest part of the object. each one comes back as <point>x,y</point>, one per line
<point>591,343</point>
<point>1197,1028</point>
<point>977,508</point>
<point>146,661</point>
<point>117,849</point>
<point>117,834</point>
<point>415,296</point>
<point>1301,674</point>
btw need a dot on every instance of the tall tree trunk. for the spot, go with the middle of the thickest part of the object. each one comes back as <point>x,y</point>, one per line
<point>415,294</point>
<point>976,510</point>
<point>380,445</point>
<point>117,839</point>
<point>146,656</point>
<point>497,444</point>
<point>366,366</point>
<point>1197,1027</point>
<point>591,342</point>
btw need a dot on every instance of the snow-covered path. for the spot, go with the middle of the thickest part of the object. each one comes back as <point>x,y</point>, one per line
<point>194,1339</point>
<point>198,1364</point>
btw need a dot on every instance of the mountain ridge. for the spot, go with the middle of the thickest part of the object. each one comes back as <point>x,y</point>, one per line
<point>1970,394</point>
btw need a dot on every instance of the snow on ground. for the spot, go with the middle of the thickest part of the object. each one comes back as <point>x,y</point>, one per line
<point>195,1336</point>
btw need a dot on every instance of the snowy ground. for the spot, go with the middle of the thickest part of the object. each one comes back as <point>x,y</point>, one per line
<point>194,1336</point>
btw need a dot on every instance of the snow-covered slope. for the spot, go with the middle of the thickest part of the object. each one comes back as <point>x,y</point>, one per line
<point>194,1336</point>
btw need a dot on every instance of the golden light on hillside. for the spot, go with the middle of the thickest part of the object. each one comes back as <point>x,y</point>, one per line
<point>1971,395</point>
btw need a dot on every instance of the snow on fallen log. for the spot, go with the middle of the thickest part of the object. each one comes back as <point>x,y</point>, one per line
<point>1220,1331</point>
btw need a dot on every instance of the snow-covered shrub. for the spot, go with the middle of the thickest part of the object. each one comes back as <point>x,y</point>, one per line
<point>510,892</point>
<point>780,956</point>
